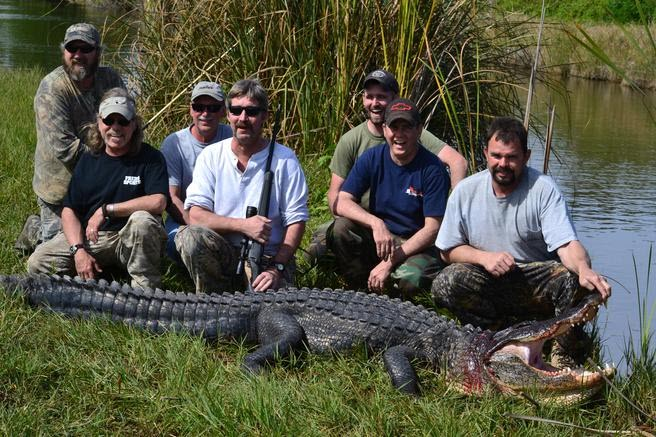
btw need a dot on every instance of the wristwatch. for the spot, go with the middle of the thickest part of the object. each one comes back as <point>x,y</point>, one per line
<point>280,267</point>
<point>74,248</point>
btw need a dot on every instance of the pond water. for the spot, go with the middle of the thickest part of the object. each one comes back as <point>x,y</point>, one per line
<point>31,30</point>
<point>605,163</point>
<point>604,158</point>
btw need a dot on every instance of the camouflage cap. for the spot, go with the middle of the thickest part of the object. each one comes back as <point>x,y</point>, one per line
<point>210,89</point>
<point>402,109</point>
<point>83,32</point>
<point>384,78</point>
<point>117,105</point>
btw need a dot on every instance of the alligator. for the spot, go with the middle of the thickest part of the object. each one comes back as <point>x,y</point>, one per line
<point>323,321</point>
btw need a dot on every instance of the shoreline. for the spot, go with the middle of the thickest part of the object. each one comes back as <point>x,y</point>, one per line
<point>628,47</point>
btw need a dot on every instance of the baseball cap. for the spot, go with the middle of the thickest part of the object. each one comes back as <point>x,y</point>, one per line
<point>402,109</point>
<point>211,89</point>
<point>384,78</point>
<point>83,32</point>
<point>117,105</point>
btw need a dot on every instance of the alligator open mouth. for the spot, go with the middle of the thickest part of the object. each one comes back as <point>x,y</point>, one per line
<point>515,361</point>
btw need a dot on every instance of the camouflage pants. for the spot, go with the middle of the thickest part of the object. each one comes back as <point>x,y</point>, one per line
<point>355,250</point>
<point>532,291</point>
<point>50,219</point>
<point>212,261</point>
<point>137,248</point>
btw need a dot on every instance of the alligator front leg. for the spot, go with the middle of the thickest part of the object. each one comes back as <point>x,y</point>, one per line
<point>397,363</point>
<point>278,333</point>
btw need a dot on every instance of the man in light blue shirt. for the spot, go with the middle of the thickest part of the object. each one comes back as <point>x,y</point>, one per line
<point>181,149</point>
<point>512,246</point>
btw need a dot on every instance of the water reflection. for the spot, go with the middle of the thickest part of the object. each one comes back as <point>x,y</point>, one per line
<point>31,30</point>
<point>604,139</point>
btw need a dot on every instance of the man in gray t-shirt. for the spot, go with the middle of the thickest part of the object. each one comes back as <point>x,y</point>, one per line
<point>513,252</point>
<point>181,149</point>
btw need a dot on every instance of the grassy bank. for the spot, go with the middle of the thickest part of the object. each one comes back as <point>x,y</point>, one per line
<point>619,35</point>
<point>61,376</point>
<point>627,46</point>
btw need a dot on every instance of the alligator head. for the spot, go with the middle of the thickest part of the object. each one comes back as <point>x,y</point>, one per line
<point>511,361</point>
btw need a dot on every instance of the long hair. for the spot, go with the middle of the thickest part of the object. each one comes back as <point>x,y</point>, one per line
<point>96,144</point>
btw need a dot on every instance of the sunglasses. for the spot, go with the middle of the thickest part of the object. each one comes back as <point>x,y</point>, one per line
<point>251,111</point>
<point>109,121</point>
<point>86,48</point>
<point>199,107</point>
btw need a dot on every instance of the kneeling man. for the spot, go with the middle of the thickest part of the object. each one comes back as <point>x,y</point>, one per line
<point>408,187</point>
<point>512,246</point>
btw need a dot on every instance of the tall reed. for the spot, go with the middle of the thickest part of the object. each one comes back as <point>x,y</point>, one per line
<point>455,58</point>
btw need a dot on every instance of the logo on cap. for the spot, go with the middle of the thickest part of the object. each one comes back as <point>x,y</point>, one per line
<point>401,107</point>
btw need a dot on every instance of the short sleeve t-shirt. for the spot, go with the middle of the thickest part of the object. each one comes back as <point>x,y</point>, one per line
<point>531,223</point>
<point>401,195</point>
<point>101,179</point>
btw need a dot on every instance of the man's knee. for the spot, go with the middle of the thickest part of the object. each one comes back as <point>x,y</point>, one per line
<point>450,280</point>
<point>144,223</point>
<point>192,238</point>
<point>342,229</point>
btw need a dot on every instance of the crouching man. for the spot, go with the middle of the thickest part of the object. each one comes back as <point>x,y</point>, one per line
<point>512,246</point>
<point>111,212</point>
<point>228,177</point>
<point>391,246</point>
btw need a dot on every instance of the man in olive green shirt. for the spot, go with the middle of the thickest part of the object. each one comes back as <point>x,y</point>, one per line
<point>66,101</point>
<point>380,88</point>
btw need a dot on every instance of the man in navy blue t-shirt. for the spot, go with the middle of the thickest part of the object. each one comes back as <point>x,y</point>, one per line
<point>408,187</point>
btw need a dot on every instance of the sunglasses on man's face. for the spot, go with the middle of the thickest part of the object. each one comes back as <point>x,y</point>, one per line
<point>109,121</point>
<point>251,111</point>
<point>84,48</point>
<point>199,107</point>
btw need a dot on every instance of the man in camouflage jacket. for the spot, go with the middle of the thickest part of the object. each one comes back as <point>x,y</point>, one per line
<point>65,103</point>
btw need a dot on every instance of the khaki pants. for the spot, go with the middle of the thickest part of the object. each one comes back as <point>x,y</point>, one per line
<point>137,248</point>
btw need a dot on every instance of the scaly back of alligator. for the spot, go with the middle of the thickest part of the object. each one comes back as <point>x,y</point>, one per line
<point>331,320</point>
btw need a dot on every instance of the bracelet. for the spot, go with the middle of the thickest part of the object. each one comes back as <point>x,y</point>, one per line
<point>110,210</point>
<point>105,213</point>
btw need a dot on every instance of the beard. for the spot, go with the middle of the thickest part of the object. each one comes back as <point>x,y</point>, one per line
<point>79,71</point>
<point>503,177</point>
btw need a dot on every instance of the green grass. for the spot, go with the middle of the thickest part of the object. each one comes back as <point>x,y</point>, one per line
<point>62,376</point>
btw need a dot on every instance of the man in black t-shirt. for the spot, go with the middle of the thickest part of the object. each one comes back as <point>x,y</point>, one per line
<point>111,210</point>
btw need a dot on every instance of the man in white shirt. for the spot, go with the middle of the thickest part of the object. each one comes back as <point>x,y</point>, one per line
<point>227,178</point>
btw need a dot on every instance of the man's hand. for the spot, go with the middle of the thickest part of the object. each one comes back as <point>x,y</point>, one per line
<point>592,280</point>
<point>498,263</point>
<point>384,240</point>
<point>379,275</point>
<point>268,279</point>
<point>86,266</point>
<point>95,221</point>
<point>257,228</point>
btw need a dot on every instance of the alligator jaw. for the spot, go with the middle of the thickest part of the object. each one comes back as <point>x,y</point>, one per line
<point>514,363</point>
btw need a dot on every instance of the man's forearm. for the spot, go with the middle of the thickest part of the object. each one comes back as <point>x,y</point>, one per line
<point>464,254</point>
<point>291,241</point>
<point>218,223</point>
<point>72,227</point>
<point>152,203</point>
<point>348,208</point>
<point>419,242</point>
<point>574,256</point>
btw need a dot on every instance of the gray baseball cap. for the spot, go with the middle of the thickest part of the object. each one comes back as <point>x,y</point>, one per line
<point>384,78</point>
<point>83,32</point>
<point>117,105</point>
<point>402,109</point>
<point>211,89</point>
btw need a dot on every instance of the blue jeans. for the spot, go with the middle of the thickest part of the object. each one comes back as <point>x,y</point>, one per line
<point>172,227</point>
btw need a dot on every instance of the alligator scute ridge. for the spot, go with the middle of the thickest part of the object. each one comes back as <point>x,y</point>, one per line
<point>334,320</point>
